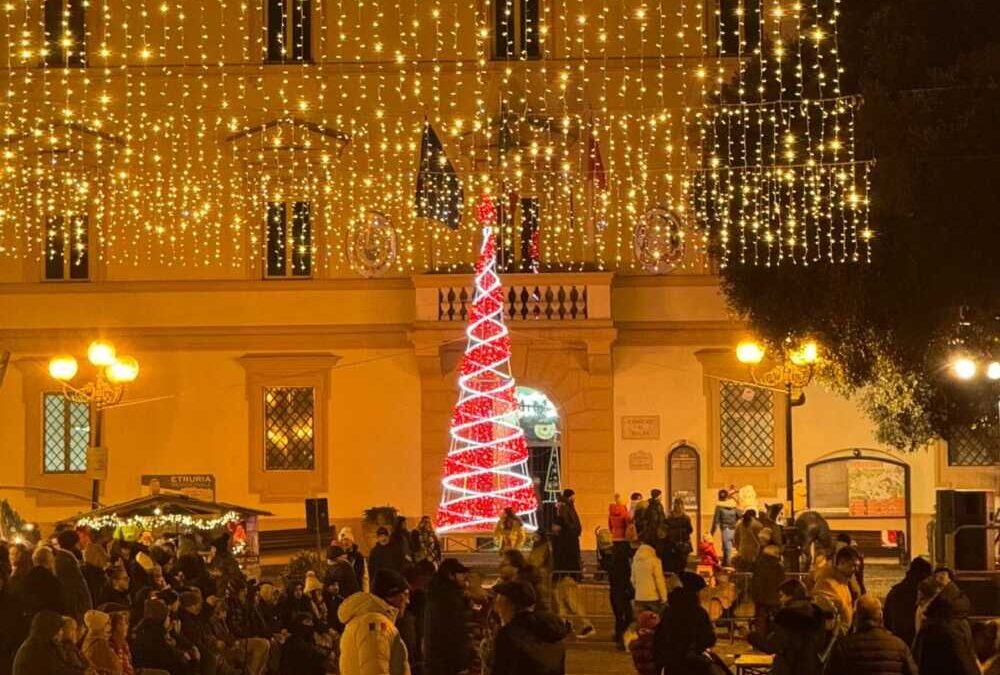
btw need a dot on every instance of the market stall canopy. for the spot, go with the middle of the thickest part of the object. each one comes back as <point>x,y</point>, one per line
<point>163,505</point>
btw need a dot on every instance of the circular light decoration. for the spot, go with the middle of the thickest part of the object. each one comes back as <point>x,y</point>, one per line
<point>372,247</point>
<point>545,431</point>
<point>658,241</point>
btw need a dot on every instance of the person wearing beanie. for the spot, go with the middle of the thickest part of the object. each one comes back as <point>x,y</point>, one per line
<point>871,649</point>
<point>684,629</point>
<point>97,645</point>
<point>901,603</point>
<point>150,645</point>
<point>385,554</point>
<point>528,642</point>
<point>345,539</point>
<point>394,590</point>
<point>75,594</point>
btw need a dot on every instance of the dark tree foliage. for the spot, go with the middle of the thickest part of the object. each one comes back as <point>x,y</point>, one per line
<point>929,72</point>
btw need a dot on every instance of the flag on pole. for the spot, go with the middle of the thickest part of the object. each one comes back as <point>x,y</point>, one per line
<point>595,165</point>
<point>439,192</point>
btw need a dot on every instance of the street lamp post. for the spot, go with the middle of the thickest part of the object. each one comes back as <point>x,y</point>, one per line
<point>967,368</point>
<point>791,375</point>
<point>113,372</point>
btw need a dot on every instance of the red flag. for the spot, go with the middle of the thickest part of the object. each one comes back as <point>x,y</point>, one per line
<point>595,165</point>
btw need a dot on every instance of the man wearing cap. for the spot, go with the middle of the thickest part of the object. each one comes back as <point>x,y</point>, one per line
<point>447,641</point>
<point>529,643</point>
<point>393,589</point>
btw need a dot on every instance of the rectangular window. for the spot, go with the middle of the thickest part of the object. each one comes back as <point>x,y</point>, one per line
<point>288,429</point>
<point>746,421</point>
<point>67,253</point>
<point>738,27</point>
<point>288,250</point>
<point>515,29</point>
<point>65,33</point>
<point>289,31</point>
<point>67,434</point>
<point>978,446</point>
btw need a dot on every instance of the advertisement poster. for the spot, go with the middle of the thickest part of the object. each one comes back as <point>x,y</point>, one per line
<point>876,489</point>
<point>197,485</point>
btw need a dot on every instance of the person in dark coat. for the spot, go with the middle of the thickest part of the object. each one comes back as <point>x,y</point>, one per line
<point>768,575</point>
<point>677,545</point>
<point>40,590</point>
<point>685,631</point>
<point>798,633</point>
<point>41,654</point>
<point>95,572</point>
<point>299,654</point>
<point>395,591</point>
<point>117,589</point>
<point>340,571</point>
<point>901,603</point>
<point>943,645</point>
<point>13,628</point>
<point>346,541</point>
<point>528,643</point>
<point>769,521</point>
<point>567,563</point>
<point>620,589</point>
<point>386,554</point>
<point>447,641</point>
<point>871,650</point>
<point>419,578</point>
<point>72,585</point>
<point>150,647</point>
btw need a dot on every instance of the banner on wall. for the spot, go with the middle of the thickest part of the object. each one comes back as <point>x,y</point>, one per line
<point>196,485</point>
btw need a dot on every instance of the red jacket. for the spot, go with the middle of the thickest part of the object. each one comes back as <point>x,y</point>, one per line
<point>642,653</point>
<point>618,521</point>
<point>707,555</point>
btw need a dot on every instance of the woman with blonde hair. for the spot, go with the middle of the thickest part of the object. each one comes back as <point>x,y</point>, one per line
<point>97,645</point>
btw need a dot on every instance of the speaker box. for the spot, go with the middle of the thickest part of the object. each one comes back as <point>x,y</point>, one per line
<point>963,549</point>
<point>317,515</point>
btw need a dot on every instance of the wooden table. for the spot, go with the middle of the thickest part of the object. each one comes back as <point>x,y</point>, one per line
<point>753,664</point>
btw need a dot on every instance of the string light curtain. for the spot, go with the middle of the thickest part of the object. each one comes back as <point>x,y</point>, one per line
<point>171,125</point>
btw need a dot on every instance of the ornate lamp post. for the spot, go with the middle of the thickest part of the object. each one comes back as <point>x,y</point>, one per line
<point>791,374</point>
<point>108,387</point>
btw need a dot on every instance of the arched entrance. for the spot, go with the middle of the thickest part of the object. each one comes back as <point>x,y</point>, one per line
<point>684,481</point>
<point>539,419</point>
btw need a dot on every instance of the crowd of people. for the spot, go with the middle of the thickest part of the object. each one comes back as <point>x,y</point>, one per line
<point>79,604</point>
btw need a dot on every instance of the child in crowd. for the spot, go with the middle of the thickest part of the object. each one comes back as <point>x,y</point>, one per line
<point>642,646</point>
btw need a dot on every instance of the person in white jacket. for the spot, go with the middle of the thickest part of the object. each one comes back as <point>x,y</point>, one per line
<point>648,580</point>
<point>371,644</point>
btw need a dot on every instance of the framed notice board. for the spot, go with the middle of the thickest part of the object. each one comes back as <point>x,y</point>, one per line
<point>859,486</point>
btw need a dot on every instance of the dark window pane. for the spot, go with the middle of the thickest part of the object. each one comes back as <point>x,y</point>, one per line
<point>55,248</point>
<point>505,46</point>
<point>275,239</point>
<point>66,427</point>
<point>729,27</point>
<point>54,32</point>
<point>975,446</point>
<point>302,30</point>
<point>78,436</point>
<point>529,235</point>
<point>275,30</point>
<point>80,254</point>
<point>530,46</point>
<point>288,429</point>
<point>78,29</point>
<point>746,421</point>
<point>301,240</point>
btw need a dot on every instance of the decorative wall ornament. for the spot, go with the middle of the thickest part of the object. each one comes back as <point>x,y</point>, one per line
<point>658,240</point>
<point>373,246</point>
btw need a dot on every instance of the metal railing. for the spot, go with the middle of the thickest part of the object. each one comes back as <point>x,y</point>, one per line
<point>525,302</point>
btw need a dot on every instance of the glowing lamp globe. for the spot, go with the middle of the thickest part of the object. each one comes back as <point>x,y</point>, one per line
<point>63,368</point>
<point>806,355</point>
<point>749,352</point>
<point>124,369</point>
<point>964,368</point>
<point>101,353</point>
<point>993,370</point>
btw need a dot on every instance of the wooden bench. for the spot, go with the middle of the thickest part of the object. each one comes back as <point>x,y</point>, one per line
<point>270,541</point>
<point>870,544</point>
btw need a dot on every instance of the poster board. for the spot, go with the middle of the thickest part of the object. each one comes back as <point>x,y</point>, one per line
<point>684,479</point>
<point>858,487</point>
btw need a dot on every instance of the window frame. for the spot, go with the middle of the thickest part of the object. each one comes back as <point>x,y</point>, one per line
<point>67,441</point>
<point>950,452</point>
<point>66,255</point>
<point>267,429</point>
<point>723,413</point>
<point>291,257</point>
<point>276,52</point>
<point>72,15</point>
<point>288,370</point>
<point>520,47</point>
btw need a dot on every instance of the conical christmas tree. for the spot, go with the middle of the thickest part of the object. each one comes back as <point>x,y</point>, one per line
<point>486,470</point>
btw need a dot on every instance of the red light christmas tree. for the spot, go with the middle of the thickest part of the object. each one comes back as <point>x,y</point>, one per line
<point>486,470</point>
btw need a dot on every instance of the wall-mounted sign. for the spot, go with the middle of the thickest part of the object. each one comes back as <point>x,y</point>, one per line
<point>640,460</point>
<point>97,463</point>
<point>641,427</point>
<point>199,485</point>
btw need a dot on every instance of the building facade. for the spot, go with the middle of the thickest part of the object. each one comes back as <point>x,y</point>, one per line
<point>228,194</point>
